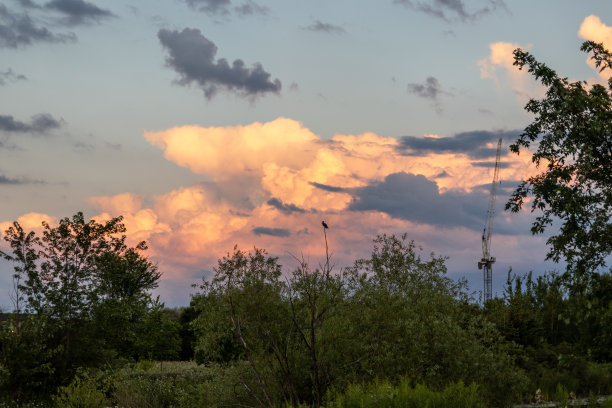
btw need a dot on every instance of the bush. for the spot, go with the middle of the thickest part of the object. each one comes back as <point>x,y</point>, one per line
<point>385,395</point>
<point>85,391</point>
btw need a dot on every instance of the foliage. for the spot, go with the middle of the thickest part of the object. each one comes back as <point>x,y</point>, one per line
<point>27,356</point>
<point>385,395</point>
<point>77,288</point>
<point>83,392</point>
<point>159,336</point>
<point>572,132</point>
<point>560,331</point>
<point>390,316</point>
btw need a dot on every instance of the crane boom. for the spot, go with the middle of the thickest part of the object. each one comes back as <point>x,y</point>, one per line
<point>487,260</point>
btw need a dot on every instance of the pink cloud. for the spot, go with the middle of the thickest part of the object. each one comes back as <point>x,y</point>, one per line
<point>291,179</point>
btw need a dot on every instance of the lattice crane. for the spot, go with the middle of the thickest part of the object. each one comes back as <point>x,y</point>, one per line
<point>487,261</point>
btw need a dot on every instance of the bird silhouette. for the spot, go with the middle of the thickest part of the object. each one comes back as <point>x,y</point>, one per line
<point>324,224</point>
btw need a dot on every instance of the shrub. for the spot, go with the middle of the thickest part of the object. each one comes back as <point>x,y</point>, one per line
<point>385,395</point>
<point>83,392</point>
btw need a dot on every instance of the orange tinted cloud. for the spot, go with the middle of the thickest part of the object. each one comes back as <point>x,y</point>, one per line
<point>593,29</point>
<point>221,151</point>
<point>121,203</point>
<point>294,179</point>
<point>501,58</point>
<point>30,221</point>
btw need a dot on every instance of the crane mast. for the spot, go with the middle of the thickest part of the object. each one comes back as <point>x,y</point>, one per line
<point>487,261</point>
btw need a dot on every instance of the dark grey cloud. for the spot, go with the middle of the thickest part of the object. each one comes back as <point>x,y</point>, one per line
<point>20,30</point>
<point>430,89</point>
<point>10,76</point>
<point>226,7</point>
<point>415,198</point>
<point>473,143</point>
<point>286,208</point>
<point>327,187</point>
<point>274,232</point>
<point>79,12</point>
<point>192,56</point>
<point>454,10</point>
<point>6,180</point>
<point>38,124</point>
<point>17,181</point>
<point>328,28</point>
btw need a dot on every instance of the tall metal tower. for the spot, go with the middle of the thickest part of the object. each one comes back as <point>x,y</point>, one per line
<point>487,260</point>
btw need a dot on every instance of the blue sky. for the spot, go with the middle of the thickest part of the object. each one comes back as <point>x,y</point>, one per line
<point>96,97</point>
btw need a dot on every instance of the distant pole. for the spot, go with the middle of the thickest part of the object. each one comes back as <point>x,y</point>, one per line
<point>325,227</point>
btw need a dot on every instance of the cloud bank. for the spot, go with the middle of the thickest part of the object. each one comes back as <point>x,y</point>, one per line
<point>266,182</point>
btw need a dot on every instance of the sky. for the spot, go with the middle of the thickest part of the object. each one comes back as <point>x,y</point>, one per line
<point>213,123</point>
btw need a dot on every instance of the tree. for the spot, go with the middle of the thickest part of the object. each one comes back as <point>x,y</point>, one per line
<point>572,136</point>
<point>24,257</point>
<point>242,316</point>
<point>86,285</point>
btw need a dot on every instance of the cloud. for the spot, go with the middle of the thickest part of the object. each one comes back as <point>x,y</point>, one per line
<point>79,12</point>
<point>325,187</point>
<point>478,144</point>
<point>285,208</point>
<point>282,160</point>
<point>501,57</point>
<point>268,181</point>
<point>273,232</point>
<point>192,56</point>
<point>593,29</point>
<point>453,10</point>
<point>40,123</point>
<point>490,164</point>
<point>30,221</point>
<point>319,26</point>
<point>224,7</point>
<point>6,180</point>
<point>19,30</point>
<point>10,76</point>
<point>415,198</point>
<point>18,181</point>
<point>236,150</point>
<point>119,204</point>
<point>430,89</point>
<point>213,7</point>
<point>251,8</point>
<point>356,183</point>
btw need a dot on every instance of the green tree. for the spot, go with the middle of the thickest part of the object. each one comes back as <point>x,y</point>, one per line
<point>406,318</point>
<point>572,137</point>
<point>24,257</point>
<point>83,288</point>
<point>243,315</point>
<point>158,338</point>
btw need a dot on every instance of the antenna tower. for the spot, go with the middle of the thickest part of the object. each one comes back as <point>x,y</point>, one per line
<point>487,261</point>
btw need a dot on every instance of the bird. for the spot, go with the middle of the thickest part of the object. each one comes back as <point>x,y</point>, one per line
<point>324,225</point>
